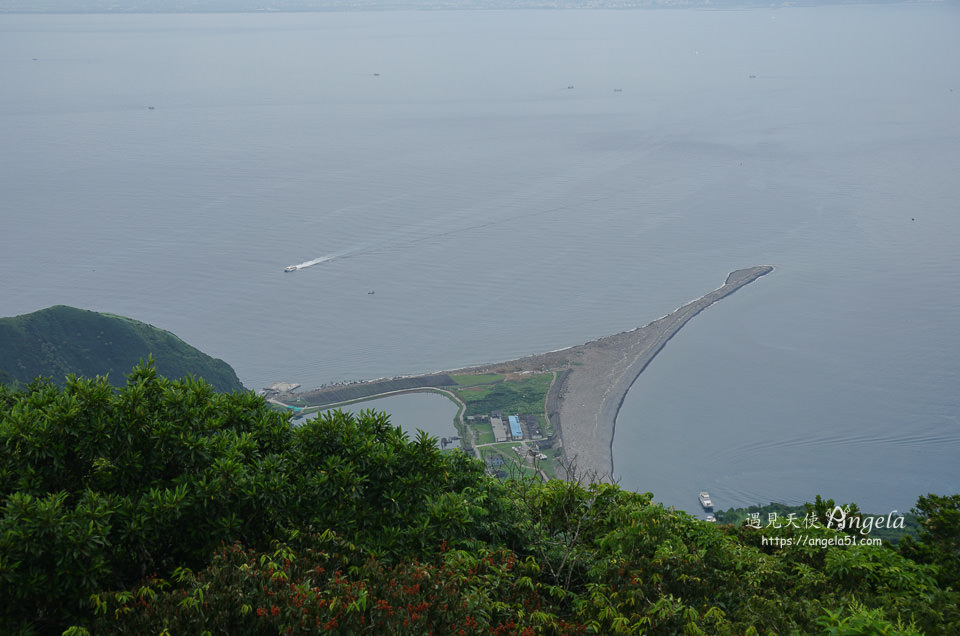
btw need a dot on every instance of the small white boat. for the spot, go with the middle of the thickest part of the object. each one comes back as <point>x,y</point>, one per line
<point>291,268</point>
<point>705,500</point>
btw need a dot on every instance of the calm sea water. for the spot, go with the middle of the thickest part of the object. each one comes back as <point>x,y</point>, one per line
<point>513,182</point>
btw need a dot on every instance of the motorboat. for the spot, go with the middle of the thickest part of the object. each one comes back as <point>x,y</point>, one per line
<point>291,268</point>
<point>705,500</point>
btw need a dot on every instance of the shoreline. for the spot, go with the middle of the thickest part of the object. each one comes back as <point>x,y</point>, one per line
<point>597,376</point>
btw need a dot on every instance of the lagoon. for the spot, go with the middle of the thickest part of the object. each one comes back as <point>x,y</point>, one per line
<point>414,412</point>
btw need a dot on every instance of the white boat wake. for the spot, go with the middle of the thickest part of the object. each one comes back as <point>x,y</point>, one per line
<point>322,259</point>
<point>316,261</point>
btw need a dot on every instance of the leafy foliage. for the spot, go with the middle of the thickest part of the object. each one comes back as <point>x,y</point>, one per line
<point>637,568</point>
<point>165,506</point>
<point>939,540</point>
<point>100,488</point>
<point>327,585</point>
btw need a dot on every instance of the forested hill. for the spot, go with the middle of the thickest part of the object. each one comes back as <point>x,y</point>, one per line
<point>61,340</point>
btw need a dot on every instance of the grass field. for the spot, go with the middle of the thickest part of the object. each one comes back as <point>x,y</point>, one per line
<point>481,378</point>
<point>473,393</point>
<point>515,396</point>
<point>484,434</point>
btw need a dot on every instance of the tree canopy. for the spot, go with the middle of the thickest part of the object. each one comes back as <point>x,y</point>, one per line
<point>164,505</point>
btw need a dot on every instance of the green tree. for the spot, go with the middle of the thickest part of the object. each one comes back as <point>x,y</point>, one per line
<point>939,539</point>
<point>102,487</point>
<point>845,517</point>
<point>164,505</point>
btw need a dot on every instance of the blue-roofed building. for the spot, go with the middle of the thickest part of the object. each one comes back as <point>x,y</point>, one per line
<point>515,429</point>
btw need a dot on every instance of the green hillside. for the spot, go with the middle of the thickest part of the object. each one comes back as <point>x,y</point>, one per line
<point>58,341</point>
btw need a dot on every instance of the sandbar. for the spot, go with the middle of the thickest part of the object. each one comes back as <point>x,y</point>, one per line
<point>593,379</point>
<point>600,373</point>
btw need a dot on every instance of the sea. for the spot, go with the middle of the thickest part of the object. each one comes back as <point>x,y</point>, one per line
<point>465,187</point>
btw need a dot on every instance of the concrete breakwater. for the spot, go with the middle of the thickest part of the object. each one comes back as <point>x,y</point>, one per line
<point>596,378</point>
<point>356,391</point>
